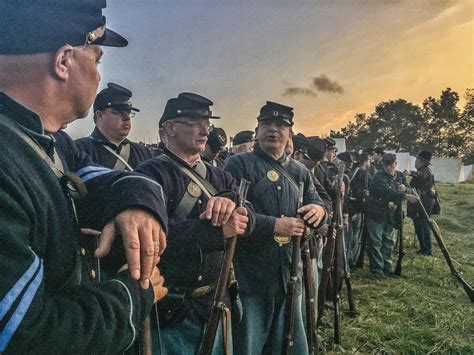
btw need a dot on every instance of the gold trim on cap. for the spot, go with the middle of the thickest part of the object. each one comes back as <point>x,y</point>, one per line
<point>96,34</point>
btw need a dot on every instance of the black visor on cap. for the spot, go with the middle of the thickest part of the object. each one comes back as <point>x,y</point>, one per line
<point>111,39</point>
<point>123,107</point>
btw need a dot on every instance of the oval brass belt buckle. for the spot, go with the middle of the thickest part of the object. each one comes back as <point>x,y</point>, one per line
<point>281,239</point>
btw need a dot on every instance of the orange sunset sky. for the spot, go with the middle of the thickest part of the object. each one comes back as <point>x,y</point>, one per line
<point>327,59</point>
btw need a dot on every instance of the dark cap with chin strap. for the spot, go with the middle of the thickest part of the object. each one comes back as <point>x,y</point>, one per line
<point>274,111</point>
<point>115,96</point>
<point>188,105</point>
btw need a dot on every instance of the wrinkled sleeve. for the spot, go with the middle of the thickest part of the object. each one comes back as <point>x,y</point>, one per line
<point>84,319</point>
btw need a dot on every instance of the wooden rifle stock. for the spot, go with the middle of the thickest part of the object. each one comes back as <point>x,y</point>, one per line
<point>311,300</point>
<point>145,338</point>
<point>218,305</point>
<point>401,250</point>
<point>457,274</point>
<point>291,286</point>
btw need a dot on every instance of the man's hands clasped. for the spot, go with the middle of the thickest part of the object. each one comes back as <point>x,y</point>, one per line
<point>312,215</point>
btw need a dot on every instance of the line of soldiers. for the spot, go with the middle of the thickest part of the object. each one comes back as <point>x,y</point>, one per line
<point>63,289</point>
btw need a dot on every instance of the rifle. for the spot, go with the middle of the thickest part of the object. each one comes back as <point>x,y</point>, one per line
<point>308,254</point>
<point>341,265</point>
<point>218,305</point>
<point>436,232</point>
<point>145,345</point>
<point>328,256</point>
<point>363,228</point>
<point>290,304</point>
<point>338,226</point>
<point>401,251</point>
<point>363,243</point>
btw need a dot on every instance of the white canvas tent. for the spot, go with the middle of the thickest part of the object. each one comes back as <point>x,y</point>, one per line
<point>340,144</point>
<point>447,169</point>
<point>404,162</point>
<point>467,172</point>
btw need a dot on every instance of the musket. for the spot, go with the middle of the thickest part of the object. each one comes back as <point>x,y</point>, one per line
<point>328,257</point>
<point>401,251</point>
<point>345,264</point>
<point>363,228</point>
<point>436,232</point>
<point>311,291</point>
<point>145,338</point>
<point>218,306</point>
<point>338,226</point>
<point>291,286</point>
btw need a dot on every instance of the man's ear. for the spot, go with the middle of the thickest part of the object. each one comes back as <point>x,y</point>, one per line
<point>291,133</point>
<point>62,63</point>
<point>168,128</point>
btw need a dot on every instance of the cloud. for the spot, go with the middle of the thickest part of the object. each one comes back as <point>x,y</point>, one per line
<point>324,84</point>
<point>292,91</point>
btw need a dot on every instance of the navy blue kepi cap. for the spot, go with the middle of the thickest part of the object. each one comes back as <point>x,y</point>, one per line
<point>243,137</point>
<point>274,111</point>
<point>300,144</point>
<point>114,96</point>
<point>188,105</point>
<point>40,26</point>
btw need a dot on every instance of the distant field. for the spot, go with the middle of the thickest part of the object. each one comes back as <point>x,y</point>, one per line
<point>425,311</point>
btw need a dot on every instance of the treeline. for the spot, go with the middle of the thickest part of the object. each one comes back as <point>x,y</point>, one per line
<point>438,125</point>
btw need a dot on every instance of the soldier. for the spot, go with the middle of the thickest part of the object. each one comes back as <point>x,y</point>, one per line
<point>310,152</point>
<point>377,164</point>
<point>216,141</point>
<point>48,59</point>
<point>243,142</point>
<point>331,149</point>
<point>108,144</point>
<point>307,153</point>
<point>388,189</point>
<point>360,180</point>
<point>423,181</point>
<point>202,215</point>
<point>262,263</point>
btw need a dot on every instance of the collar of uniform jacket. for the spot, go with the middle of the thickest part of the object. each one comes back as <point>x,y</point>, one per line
<point>20,114</point>
<point>168,152</point>
<point>99,137</point>
<point>264,155</point>
<point>29,121</point>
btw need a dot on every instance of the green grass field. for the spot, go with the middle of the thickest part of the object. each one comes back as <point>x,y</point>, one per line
<point>426,310</point>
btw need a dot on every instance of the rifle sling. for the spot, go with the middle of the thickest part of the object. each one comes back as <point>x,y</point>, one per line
<point>15,127</point>
<point>121,163</point>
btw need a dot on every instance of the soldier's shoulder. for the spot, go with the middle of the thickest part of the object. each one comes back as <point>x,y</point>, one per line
<point>296,165</point>
<point>240,158</point>
<point>83,142</point>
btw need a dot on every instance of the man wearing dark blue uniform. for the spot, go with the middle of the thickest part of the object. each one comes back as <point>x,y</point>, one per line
<point>108,144</point>
<point>202,215</point>
<point>216,141</point>
<point>48,59</point>
<point>423,181</point>
<point>262,263</point>
<point>387,191</point>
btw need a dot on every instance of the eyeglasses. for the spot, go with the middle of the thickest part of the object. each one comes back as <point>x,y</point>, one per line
<point>197,124</point>
<point>122,114</point>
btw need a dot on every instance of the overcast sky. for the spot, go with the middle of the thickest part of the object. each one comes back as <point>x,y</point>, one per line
<point>328,59</point>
